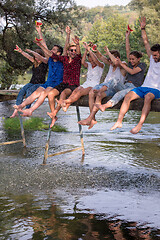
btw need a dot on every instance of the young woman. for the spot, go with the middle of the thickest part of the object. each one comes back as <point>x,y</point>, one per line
<point>39,71</point>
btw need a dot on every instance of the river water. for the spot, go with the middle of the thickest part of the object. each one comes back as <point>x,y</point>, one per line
<point>111,193</point>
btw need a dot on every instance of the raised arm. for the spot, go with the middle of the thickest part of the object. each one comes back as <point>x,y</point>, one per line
<point>46,51</point>
<point>144,36</point>
<point>127,44</point>
<point>38,56</point>
<point>128,69</point>
<point>29,57</point>
<point>110,55</point>
<point>76,41</point>
<point>83,61</point>
<point>68,32</point>
<point>38,28</point>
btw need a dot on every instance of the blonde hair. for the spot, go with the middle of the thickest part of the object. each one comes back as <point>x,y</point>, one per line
<point>71,45</point>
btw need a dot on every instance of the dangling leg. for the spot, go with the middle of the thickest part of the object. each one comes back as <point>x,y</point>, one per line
<point>124,108</point>
<point>145,111</point>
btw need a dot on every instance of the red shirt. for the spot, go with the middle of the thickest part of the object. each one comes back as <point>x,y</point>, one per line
<point>71,73</point>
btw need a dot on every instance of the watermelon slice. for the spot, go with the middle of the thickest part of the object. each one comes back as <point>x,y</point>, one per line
<point>17,48</point>
<point>38,23</point>
<point>38,40</point>
<point>129,29</point>
<point>94,47</point>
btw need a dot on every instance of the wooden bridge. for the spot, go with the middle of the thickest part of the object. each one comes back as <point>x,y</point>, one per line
<point>137,104</point>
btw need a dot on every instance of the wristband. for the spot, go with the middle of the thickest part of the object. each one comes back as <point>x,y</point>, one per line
<point>142,28</point>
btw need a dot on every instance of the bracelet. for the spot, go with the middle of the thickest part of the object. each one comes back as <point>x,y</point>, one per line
<point>142,28</point>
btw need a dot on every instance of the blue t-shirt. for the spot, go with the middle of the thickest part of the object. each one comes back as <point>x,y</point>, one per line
<point>55,73</point>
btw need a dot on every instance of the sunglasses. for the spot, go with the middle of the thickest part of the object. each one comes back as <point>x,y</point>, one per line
<point>72,50</point>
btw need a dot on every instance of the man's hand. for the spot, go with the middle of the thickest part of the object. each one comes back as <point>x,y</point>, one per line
<point>142,22</point>
<point>76,40</point>
<point>68,30</point>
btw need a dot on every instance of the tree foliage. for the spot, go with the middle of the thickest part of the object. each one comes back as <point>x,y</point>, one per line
<point>18,19</point>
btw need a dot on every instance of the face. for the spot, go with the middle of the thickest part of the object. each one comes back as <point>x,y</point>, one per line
<point>55,50</point>
<point>91,61</point>
<point>134,60</point>
<point>72,52</point>
<point>156,56</point>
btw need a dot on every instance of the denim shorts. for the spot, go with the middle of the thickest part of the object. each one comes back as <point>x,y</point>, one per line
<point>142,91</point>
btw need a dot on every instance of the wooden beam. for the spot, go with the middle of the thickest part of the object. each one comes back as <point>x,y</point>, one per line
<point>83,101</point>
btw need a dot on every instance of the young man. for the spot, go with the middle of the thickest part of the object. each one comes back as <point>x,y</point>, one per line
<point>71,76</point>
<point>72,65</point>
<point>149,90</point>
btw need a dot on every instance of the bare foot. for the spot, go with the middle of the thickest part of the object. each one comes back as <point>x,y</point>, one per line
<point>59,102</point>
<point>26,112</point>
<point>85,122</point>
<point>15,113</point>
<point>93,122</point>
<point>18,107</point>
<point>136,129</point>
<point>116,125</point>
<point>54,119</point>
<point>100,106</point>
<point>65,106</point>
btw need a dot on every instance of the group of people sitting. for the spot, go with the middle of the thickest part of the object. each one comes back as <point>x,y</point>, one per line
<point>122,80</point>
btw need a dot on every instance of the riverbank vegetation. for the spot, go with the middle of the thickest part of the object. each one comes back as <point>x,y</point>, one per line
<point>101,25</point>
<point>30,124</point>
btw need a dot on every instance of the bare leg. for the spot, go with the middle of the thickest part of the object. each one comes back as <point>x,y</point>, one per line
<point>30,99</point>
<point>63,96</point>
<point>103,107</point>
<point>145,111</point>
<point>40,100</point>
<point>124,108</point>
<point>80,91</point>
<point>14,114</point>
<point>91,121</point>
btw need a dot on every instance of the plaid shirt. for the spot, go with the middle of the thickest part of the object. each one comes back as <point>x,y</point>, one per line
<point>71,73</point>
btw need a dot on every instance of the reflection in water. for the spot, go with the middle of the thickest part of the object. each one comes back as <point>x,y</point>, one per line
<point>24,218</point>
<point>113,193</point>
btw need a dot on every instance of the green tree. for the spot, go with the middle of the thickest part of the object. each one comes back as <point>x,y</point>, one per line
<point>18,25</point>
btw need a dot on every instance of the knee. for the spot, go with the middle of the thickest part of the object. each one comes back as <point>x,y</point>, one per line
<point>91,93</point>
<point>149,97</point>
<point>51,95</point>
<point>128,97</point>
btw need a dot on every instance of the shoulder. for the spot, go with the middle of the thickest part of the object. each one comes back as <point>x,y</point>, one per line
<point>142,65</point>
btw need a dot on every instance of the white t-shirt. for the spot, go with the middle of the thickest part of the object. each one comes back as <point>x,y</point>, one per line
<point>152,79</point>
<point>93,76</point>
<point>114,75</point>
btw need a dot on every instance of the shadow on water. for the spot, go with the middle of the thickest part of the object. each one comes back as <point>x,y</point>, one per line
<point>113,193</point>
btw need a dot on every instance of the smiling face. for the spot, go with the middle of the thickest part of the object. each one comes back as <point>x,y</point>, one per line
<point>91,61</point>
<point>156,56</point>
<point>133,60</point>
<point>55,50</point>
<point>72,52</point>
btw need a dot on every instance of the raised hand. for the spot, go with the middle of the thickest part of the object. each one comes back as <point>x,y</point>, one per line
<point>106,50</point>
<point>142,21</point>
<point>18,49</point>
<point>128,33</point>
<point>86,46</point>
<point>76,40</point>
<point>68,30</point>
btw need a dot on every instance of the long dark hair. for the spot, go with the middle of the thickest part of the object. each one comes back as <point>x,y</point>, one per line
<point>40,52</point>
<point>137,54</point>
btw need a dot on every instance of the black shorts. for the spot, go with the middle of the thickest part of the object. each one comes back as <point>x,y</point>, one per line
<point>62,86</point>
